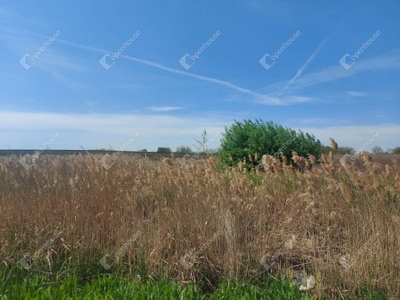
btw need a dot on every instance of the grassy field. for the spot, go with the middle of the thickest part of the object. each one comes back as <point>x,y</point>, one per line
<point>106,286</point>
<point>89,227</point>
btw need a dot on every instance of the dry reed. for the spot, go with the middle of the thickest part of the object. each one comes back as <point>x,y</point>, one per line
<point>292,219</point>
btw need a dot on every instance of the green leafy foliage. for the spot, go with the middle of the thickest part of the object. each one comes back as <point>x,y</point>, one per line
<point>17,284</point>
<point>183,149</point>
<point>258,138</point>
<point>340,150</point>
<point>396,150</point>
<point>164,150</point>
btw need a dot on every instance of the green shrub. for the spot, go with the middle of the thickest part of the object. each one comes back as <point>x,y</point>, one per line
<point>396,150</point>
<point>257,138</point>
<point>164,150</point>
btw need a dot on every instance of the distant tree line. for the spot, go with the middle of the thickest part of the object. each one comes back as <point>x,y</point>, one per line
<point>350,150</point>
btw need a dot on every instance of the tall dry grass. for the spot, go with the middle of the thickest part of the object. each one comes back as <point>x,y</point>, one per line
<point>225,223</point>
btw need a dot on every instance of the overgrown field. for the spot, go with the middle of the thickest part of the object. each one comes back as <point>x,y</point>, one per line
<point>196,222</point>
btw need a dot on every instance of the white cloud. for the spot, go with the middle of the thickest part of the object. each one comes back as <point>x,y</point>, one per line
<point>319,121</point>
<point>90,103</point>
<point>56,59</point>
<point>356,94</point>
<point>22,130</point>
<point>356,136</point>
<point>287,100</point>
<point>265,99</point>
<point>130,86</point>
<point>305,65</point>
<point>164,108</point>
<point>389,61</point>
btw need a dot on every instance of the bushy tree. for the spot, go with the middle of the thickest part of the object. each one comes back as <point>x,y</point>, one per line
<point>345,150</point>
<point>377,150</point>
<point>214,151</point>
<point>248,137</point>
<point>396,150</point>
<point>340,150</point>
<point>183,149</point>
<point>164,150</point>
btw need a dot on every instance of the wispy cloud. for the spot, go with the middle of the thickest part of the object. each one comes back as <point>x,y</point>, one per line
<point>387,61</point>
<point>90,103</point>
<point>273,9</point>
<point>52,60</point>
<point>289,100</point>
<point>356,94</point>
<point>100,130</point>
<point>314,121</point>
<point>55,60</point>
<point>304,66</point>
<point>107,123</point>
<point>265,99</point>
<point>164,108</point>
<point>356,136</point>
<point>130,86</point>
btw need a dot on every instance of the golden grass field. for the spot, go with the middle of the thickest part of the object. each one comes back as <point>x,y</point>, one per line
<point>201,222</point>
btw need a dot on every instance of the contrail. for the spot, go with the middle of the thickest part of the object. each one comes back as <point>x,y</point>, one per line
<point>303,67</point>
<point>266,99</point>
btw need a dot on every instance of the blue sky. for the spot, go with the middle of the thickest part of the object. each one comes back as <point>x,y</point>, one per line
<point>97,73</point>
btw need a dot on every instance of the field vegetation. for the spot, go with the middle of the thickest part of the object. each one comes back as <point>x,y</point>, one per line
<point>204,225</point>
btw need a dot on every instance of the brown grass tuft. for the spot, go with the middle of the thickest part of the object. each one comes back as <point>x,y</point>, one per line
<point>334,145</point>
